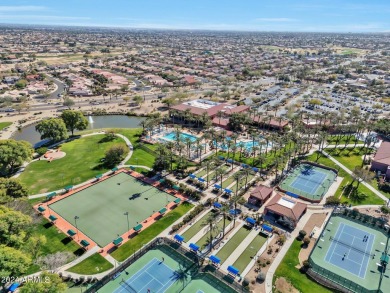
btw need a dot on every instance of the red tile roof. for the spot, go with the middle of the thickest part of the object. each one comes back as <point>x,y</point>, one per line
<point>295,213</point>
<point>383,154</point>
<point>261,192</point>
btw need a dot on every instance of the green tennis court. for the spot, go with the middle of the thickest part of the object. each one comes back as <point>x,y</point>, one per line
<point>176,274</point>
<point>101,207</point>
<point>308,181</point>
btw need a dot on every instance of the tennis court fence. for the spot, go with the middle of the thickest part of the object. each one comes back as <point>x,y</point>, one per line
<point>334,281</point>
<point>350,246</point>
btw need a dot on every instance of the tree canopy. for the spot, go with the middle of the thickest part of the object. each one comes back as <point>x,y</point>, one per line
<point>10,189</point>
<point>13,154</point>
<point>114,155</point>
<point>74,120</point>
<point>49,283</point>
<point>53,129</point>
<point>13,262</point>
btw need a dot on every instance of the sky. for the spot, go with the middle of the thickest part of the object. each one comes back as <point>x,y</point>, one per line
<point>241,15</point>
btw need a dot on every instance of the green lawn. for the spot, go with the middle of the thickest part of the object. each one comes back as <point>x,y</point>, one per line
<point>245,258</point>
<point>145,236</point>
<point>202,242</point>
<point>140,156</point>
<point>82,162</point>
<point>371,198</point>
<point>241,183</point>
<point>4,125</point>
<point>94,264</point>
<point>195,228</point>
<point>331,139</point>
<point>349,157</point>
<point>233,242</point>
<point>287,270</point>
<point>56,241</point>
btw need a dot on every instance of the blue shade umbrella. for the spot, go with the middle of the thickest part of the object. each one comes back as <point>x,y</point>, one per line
<point>179,238</point>
<point>217,205</point>
<point>250,221</point>
<point>217,186</point>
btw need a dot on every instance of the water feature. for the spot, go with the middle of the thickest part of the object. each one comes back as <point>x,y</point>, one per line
<point>110,121</point>
<point>183,136</point>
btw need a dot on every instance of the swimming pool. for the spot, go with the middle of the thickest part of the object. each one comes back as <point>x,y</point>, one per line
<point>183,136</point>
<point>248,145</point>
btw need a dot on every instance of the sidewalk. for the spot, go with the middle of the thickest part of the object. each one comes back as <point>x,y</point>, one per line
<point>369,186</point>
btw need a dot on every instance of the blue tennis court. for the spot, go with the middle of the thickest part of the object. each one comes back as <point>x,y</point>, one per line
<point>350,250</point>
<point>154,276</point>
<point>309,180</point>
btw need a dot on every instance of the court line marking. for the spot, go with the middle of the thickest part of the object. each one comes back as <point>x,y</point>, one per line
<point>368,259</point>
<point>341,255</point>
<point>333,243</point>
<point>140,271</point>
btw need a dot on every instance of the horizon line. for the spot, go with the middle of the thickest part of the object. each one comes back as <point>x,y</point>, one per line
<point>187,29</point>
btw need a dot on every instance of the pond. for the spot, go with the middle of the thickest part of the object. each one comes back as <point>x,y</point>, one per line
<point>95,122</point>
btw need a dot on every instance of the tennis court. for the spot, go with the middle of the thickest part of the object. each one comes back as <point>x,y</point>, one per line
<point>309,181</point>
<point>348,253</point>
<point>175,274</point>
<point>101,207</point>
<point>350,249</point>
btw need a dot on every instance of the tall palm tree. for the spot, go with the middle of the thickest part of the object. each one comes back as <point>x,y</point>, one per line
<point>246,172</point>
<point>208,164</point>
<point>211,223</point>
<point>234,201</point>
<point>237,176</point>
<point>224,211</point>
<point>219,173</point>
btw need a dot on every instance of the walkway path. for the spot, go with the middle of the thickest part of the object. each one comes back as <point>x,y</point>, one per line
<point>350,172</point>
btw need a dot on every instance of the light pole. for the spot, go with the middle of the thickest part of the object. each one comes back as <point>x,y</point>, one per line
<point>77,230</point>
<point>128,224</point>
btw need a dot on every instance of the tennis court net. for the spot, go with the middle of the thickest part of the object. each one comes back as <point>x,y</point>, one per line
<point>350,246</point>
<point>127,286</point>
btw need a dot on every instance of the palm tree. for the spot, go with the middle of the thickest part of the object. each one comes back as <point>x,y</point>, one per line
<point>211,223</point>
<point>209,164</point>
<point>188,143</point>
<point>246,172</point>
<point>237,176</point>
<point>361,174</point>
<point>254,153</point>
<point>224,211</point>
<point>235,200</point>
<point>219,172</point>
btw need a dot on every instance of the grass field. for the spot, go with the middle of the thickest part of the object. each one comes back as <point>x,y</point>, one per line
<point>245,258</point>
<point>287,269</point>
<point>94,264</point>
<point>56,241</point>
<point>241,183</point>
<point>4,125</point>
<point>145,236</point>
<point>233,242</point>
<point>349,157</point>
<point>82,162</point>
<point>101,207</point>
<point>195,228</point>
<point>202,242</point>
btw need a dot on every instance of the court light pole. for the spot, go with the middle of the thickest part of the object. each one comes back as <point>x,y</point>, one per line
<point>128,224</point>
<point>77,230</point>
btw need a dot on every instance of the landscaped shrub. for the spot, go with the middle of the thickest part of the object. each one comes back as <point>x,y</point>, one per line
<point>245,282</point>
<point>260,277</point>
<point>41,151</point>
<point>306,241</point>
<point>302,234</point>
<point>332,200</point>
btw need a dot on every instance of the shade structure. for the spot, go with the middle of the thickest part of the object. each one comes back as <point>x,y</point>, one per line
<point>69,187</point>
<point>217,186</point>
<point>194,247</point>
<point>137,228</point>
<point>162,180</point>
<point>132,168</point>
<point>71,232</point>
<point>217,205</point>
<point>266,228</point>
<point>13,287</point>
<point>192,176</point>
<point>244,165</point>
<point>175,187</point>
<point>233,270</point>
<point>179,238</point>
<point>227,190</point>
<point>117,241</point>
<point>114,169</point>
<point>292,194</point>
<point>163,211</point>
<point>52,218</point>
<point>201,179</point>
<point>99,176</point>
<point>50,195</point>
<point>221,157</point>
<point>41,209</point>
<point>229,161</point>
<point>385,258</point>
<point>250,221</point>
<point>177,200</point>
<point>84,243</point>
<point>214,259</point>
<point>255,169</point>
